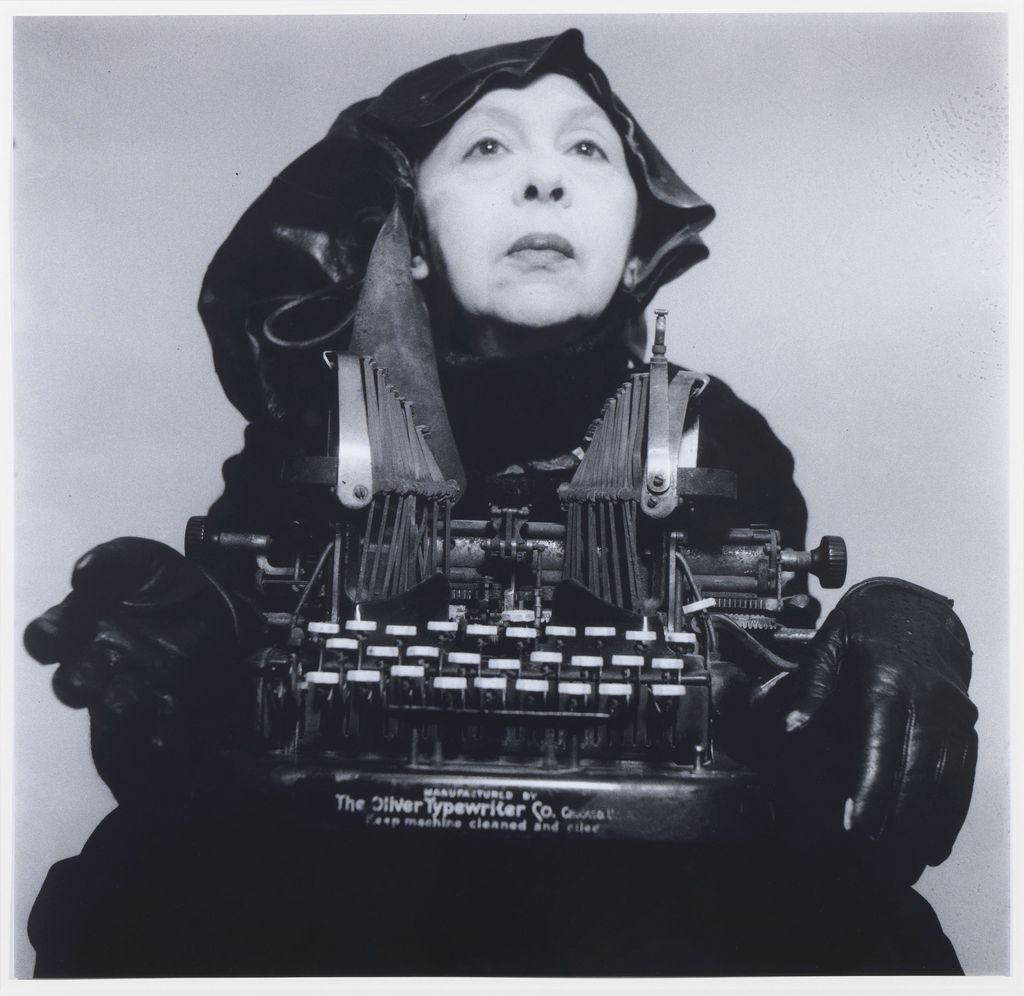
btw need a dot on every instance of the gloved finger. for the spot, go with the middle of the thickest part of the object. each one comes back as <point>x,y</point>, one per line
<point>129,694</point>
<point>142,674</point>
<point>135,571</point>
<point>61,632</point>
<point>818,670</point>
<point>879,758</point>
<point>79,681</point>
<point>953,789</point>
<point>138,737</point>
<point>134,711</point>
<point>110,662</point>
<point>168,729</point>
<point>929,809</point>
<point>925,822</point>
<point>932,794</point>
<point>912,812</point>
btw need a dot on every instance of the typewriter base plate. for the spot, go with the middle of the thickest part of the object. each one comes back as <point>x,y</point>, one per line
<point>620,801</point>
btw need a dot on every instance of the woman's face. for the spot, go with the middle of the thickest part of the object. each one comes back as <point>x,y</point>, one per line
<point>529,206</point>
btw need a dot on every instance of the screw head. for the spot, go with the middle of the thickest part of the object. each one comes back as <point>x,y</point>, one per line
<point>360,491</point>
<point>658,480</point>
<point>652,501</point>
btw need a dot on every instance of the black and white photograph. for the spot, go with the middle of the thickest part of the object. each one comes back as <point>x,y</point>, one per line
<point>511,496</point>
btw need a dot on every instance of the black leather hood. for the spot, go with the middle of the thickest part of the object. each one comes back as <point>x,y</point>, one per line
<point>285,283</point>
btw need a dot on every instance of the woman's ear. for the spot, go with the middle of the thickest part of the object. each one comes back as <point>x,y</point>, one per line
<point>419,268</point>
<point>630,273</point>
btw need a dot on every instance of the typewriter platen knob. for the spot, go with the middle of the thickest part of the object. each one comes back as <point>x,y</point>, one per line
<point>199,539</point>
<point>195,536</point>
<point>828,562</point>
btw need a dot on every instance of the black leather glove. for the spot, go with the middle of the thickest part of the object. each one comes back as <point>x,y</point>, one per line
<point>888,673</point>
<point>151,645</point>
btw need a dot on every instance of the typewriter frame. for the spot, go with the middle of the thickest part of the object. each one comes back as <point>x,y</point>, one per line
<point>507,675</point>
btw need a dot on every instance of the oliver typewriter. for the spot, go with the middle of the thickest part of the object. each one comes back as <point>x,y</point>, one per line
<point>511,676</point>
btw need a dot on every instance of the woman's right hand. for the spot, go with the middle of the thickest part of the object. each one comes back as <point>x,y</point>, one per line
<point>151,645</point>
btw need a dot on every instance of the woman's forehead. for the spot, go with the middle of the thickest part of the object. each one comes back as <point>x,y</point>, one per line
<point>552,96</point>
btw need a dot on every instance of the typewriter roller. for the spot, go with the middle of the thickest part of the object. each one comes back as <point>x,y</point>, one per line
<point>508,675</point>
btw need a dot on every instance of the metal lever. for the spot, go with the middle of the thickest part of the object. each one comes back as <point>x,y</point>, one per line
<point>660,470</point>
<point>666,414</point>
<point>355,461</point>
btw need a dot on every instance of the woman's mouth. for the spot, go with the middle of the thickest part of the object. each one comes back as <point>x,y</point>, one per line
<point>541,248</point>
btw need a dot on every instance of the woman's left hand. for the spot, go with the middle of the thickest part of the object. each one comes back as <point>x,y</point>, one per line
<point>888,671</point>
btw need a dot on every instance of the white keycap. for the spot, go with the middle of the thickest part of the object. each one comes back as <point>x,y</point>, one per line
<point>667,663</point>
<point>598,630</point>
<point>584,660</point>
<point>453,682</point>
<point>545,657</point>
<point>323,628</point>
<point>668,691</point>
<point>322,677</point>
<point>361,626</point>
<point>419,651</point>
<point>367,677</point>
<point>574,688</point>
<point>627,660</point>
<point>491,682</point>
<point>687,639</point>
<point>341,643</point>
<point>461,657</point>
<point>406,670</point>
<point>521,632</point>
<point>505,663</point>
<point>382,651</point>
<point>614,688</point>
<point>532,685</point>
<point>393,629</point>
<point>481,629</point>
<point>563,631</point>
<point>442,626</point>
<point>641,635</point>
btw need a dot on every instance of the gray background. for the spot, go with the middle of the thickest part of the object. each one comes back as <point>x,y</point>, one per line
<point>856,292</point>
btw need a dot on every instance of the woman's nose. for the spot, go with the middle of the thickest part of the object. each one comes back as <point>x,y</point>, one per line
<point>543,182</point>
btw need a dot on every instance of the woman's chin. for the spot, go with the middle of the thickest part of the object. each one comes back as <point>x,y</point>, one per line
<point>541,316</point>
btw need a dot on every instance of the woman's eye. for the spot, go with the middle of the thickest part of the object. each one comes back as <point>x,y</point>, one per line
<point>485,147</point>
<point>589,149</point>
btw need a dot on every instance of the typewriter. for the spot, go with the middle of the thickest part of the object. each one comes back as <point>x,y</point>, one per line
<point>507,676</point>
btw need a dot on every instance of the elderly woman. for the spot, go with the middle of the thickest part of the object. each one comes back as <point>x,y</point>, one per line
<point>491,228</point>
